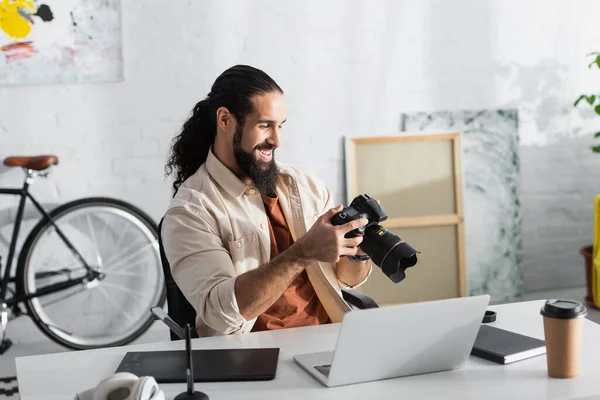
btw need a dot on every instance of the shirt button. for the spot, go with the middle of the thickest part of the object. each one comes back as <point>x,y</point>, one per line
<point>239,244</point>
<point>315,218</point>
<point>262,226</point>
<point>251,191</point>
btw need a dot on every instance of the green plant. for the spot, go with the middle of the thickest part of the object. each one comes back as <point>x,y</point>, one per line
<point>593,100</point>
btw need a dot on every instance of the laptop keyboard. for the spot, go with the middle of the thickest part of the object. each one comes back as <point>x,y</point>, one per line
<point>324,369</point>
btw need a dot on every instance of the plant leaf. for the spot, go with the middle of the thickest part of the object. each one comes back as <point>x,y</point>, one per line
<point>597,109</point>
<point>596,61</point>
<point>597,134</point>
<point>591,99</point>
<point>578,100</point>
<point>596,149</point>
<point>593,54</point>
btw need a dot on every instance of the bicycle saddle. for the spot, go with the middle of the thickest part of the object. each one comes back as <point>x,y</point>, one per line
<point>37,163</point>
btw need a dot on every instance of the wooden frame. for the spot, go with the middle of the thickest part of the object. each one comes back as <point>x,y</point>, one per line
<point>436,219</point>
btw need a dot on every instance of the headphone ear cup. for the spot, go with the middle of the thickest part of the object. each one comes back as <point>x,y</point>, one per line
<point>117,386</point>
<point>146,388</point>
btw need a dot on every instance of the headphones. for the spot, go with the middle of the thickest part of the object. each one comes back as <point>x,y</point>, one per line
<point>124,386</point>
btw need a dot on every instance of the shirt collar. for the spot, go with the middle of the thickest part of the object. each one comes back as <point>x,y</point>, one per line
<point>223,176</point>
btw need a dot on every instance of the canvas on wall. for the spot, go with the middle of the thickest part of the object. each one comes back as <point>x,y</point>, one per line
<point>402,177</point>
<point>492,212</point>
<point>60,41</point>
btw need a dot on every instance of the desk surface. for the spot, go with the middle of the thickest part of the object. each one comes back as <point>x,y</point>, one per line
<point>60,376</point>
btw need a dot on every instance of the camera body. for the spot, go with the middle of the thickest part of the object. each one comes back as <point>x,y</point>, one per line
<point>388,251</point>
<point>363,206</point>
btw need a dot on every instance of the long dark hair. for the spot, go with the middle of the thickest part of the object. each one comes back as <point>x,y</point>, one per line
<point>233,89</point>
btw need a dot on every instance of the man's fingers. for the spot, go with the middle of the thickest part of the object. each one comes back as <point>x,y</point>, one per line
<point>352,225</point>
<point>353,242</point>
<point>348,251</point>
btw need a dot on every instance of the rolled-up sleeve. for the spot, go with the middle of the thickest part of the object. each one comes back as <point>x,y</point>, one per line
<point>202,268</point>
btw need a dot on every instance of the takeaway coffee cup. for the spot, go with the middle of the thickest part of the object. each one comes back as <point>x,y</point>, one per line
<point>563,331</point>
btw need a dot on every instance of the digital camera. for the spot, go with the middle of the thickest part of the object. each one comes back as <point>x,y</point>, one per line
<point>390,253</point>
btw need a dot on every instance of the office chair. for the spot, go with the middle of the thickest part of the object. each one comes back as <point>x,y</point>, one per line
<point>183,313</point>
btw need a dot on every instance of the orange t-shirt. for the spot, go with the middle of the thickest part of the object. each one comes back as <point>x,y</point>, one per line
<point>299,305</point>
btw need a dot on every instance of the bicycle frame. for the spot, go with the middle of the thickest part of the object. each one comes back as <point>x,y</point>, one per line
<point>24,195</point>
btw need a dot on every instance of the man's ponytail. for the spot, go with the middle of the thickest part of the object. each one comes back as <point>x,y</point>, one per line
<point>190,148</point>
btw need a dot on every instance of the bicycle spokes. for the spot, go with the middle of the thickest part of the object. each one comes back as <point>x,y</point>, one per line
<point>110,303</point>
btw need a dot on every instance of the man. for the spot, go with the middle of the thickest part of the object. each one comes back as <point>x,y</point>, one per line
<point>249,240</point>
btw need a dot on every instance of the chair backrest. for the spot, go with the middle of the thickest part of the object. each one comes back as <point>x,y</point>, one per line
<point>178,307</point>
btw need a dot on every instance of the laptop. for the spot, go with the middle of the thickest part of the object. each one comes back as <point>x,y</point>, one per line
<point>402,340</point>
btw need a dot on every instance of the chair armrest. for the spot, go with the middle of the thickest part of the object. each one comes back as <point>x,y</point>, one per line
<point>358,299</point>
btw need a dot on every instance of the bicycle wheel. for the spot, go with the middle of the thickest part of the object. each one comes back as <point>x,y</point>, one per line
<point>114,238</point>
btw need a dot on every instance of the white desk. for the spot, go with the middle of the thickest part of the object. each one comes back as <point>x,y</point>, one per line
<point>60,376</point>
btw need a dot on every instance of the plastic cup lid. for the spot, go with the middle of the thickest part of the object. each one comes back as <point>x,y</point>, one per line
<point>563,309</point>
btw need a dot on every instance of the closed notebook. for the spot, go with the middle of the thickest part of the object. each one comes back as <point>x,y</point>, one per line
<point>504,347</point>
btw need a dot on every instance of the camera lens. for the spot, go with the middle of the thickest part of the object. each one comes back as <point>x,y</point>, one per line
<point>389,252</point>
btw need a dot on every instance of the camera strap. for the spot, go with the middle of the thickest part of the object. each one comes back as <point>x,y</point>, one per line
<point>359,257</point>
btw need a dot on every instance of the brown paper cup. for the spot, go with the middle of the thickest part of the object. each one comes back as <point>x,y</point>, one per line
<point>563,346</point>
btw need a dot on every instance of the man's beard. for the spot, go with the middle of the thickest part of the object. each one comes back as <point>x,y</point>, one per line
<point>263,175</point>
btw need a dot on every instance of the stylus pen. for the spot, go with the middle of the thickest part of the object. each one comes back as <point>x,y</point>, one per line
<point>190,365</point>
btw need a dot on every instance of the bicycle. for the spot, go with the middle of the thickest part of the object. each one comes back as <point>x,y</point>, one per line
<point>87,273</point>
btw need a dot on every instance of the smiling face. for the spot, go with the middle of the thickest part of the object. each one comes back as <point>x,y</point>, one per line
<point>255,142</point>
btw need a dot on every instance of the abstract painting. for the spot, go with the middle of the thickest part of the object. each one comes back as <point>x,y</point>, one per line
<point>60,41</point>
<point>491,167</point>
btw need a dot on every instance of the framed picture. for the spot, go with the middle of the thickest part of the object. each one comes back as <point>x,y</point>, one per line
<point>60,41</point>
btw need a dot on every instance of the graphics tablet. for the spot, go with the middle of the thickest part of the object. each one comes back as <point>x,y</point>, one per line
<point>217,365</point>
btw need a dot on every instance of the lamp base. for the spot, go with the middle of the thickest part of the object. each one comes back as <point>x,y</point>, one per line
<point>193,396</point>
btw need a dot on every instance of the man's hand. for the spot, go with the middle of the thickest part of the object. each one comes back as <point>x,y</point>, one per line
<point>360,252</point>
<point>326,242</point>
<point>353,273</point>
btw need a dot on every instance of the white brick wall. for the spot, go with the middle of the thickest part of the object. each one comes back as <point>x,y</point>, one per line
<point>349,68</point>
